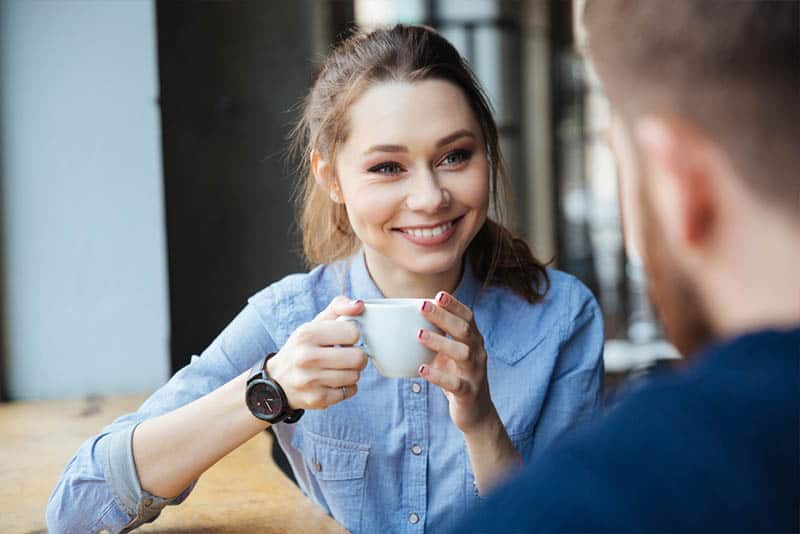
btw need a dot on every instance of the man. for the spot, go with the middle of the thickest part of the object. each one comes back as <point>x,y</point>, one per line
<point>706,132</point>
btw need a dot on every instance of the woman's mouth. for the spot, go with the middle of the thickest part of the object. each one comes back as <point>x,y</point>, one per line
<point>430,235</point>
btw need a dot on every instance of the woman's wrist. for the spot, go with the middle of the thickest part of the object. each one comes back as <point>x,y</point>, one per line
<point>491,452</point>
<point>487,428</point>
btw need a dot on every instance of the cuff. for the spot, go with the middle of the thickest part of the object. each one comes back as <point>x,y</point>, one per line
<point>120,473</point>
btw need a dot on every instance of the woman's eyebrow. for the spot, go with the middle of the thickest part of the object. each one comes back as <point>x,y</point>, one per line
<point>453,136</point>
<point>440,143</point>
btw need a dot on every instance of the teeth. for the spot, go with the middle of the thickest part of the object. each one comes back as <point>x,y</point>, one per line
<point>429,232</point>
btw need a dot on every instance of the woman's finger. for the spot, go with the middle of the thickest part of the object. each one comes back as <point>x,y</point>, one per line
<point>321,398</point>
<point>450,323</point>
<point>453,305</point>
<point>348,358</point>
<point>337,395</point>
<point>448,382</point>
<point>453,349</point>
<point>340,305</point>
<point>335,378</point>
<point>327,333</point>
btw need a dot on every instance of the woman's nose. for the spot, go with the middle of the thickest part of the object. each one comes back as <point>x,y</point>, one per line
<point>426,193</point>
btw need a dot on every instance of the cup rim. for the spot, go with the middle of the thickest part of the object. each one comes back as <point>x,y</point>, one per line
<point>396,302</point>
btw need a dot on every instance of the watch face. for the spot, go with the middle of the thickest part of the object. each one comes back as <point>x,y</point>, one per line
<point>264,399</point>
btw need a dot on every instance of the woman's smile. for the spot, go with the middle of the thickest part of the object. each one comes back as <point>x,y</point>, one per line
<point>430,235</point>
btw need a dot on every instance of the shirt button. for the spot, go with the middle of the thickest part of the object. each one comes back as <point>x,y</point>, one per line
<point>416,388</point>
<point>416,449</point>
<point>413,519</point>
<point>147,502</point>
<point>318,467</point>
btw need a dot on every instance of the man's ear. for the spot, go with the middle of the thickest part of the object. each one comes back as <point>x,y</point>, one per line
<point>683,172</point>
<point>325,177</point>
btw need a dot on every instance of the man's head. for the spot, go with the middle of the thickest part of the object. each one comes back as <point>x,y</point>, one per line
<point>706,128</point>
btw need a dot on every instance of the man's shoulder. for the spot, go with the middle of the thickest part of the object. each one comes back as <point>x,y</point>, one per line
<point>682,452</point>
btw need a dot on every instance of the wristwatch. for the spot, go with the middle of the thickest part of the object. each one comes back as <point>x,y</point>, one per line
<point>266,398</point>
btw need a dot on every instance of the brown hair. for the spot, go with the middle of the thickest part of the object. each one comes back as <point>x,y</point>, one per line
<point>406,53</point>
<point>731,67</point>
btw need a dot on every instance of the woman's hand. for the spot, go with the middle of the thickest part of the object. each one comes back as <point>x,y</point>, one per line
<point>318,366</point>
<point>459,367</point>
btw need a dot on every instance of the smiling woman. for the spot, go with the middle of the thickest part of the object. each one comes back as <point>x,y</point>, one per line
<point>402,107</point>
<point>401,170</point>
<point>417,201</point>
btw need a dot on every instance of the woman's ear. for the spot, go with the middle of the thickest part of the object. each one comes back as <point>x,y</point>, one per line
<point>325,177</point>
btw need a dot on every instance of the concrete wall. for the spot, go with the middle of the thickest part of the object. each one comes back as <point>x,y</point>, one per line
<point>84,288</point>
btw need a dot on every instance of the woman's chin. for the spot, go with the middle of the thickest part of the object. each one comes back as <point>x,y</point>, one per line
<point>432,264</point>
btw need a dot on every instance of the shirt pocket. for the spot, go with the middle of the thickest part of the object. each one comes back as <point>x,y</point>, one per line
<point>338,468</point>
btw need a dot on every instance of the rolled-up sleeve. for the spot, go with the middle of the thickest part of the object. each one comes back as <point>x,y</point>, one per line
<point>99,488</point>
<point>576,391</point>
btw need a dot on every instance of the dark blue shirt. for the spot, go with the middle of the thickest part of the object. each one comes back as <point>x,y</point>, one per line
<point>715,447</point>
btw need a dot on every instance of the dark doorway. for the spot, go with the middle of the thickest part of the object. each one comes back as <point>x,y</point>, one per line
<point>230,75</point>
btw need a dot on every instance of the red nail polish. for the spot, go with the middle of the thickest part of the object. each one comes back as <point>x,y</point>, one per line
<point>357,302</point>
<point>420,333</point>
<point>425,306</point>
<point>443,299</point>
<point>423,369</point>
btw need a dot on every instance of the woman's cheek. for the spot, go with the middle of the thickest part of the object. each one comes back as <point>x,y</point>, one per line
<point>472,189</point>
<point>371,208</point>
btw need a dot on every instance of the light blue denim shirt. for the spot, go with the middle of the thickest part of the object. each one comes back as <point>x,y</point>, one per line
<point>388,459</point>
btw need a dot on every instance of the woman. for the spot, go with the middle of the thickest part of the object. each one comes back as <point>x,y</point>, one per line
<point>403,166</point>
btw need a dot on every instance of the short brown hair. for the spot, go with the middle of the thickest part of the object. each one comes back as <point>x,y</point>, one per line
<point>404,53</point>
<point>730,66</point>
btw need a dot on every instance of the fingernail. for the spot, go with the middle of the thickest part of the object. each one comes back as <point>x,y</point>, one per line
<point>442,298</point>
<point>357,302</point>
<point>423,370</point>
<point>421,334</point>
<point>426,306</point>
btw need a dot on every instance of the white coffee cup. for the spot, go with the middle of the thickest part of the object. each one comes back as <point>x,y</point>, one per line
<point>389,329</point>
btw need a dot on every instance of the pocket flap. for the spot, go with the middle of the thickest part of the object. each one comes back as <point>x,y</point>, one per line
<point>329,458</point>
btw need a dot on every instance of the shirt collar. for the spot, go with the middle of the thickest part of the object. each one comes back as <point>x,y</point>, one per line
<point>361,284</point>
<point>363,287</point>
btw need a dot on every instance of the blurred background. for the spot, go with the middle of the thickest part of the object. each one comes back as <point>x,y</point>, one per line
<point>145,191</point>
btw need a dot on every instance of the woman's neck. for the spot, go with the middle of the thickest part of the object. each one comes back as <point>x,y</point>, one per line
<point>396,282</point>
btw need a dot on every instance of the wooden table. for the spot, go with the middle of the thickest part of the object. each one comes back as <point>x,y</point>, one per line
<point>38,438</point>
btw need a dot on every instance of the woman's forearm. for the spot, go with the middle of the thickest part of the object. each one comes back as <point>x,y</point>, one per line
<point>491,454</point>
<point>173,450</point>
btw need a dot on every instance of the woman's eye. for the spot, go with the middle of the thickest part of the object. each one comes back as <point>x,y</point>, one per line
<point>456,157</point>
<point>390,167</point>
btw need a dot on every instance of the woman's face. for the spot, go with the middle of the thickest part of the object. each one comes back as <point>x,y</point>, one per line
<point>413,175</point>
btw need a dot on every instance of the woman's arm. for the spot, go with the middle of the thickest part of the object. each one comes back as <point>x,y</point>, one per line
<point>491,454</point>
<point>99,487</point>
<point>118,481</point>
<point>172,450</point>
